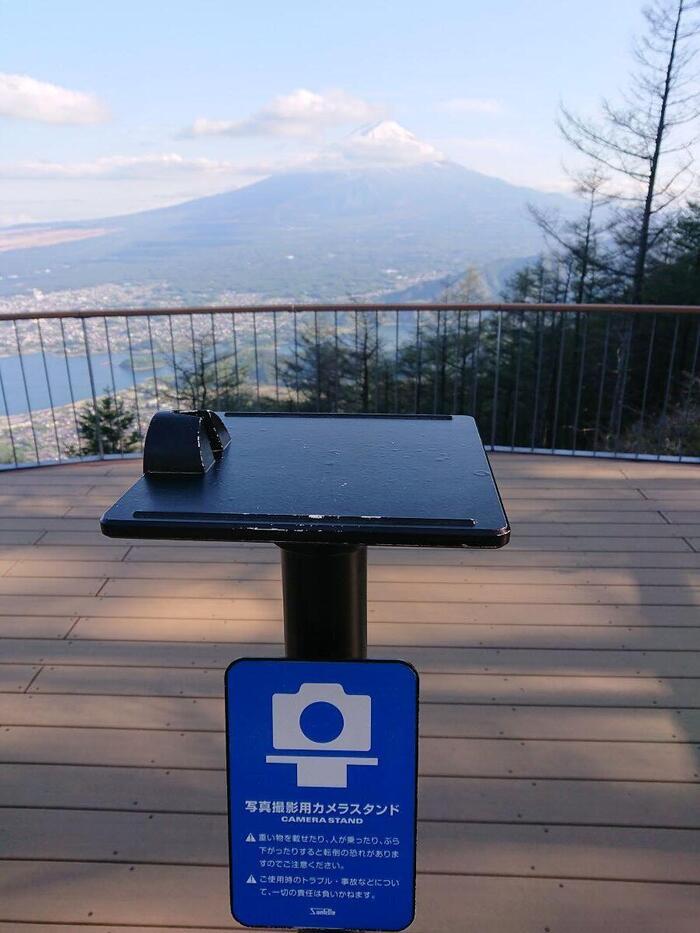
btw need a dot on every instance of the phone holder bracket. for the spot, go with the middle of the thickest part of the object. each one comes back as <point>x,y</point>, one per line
<point>184,442</point>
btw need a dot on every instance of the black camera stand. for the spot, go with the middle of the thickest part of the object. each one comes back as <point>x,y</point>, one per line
<point>323,488</point>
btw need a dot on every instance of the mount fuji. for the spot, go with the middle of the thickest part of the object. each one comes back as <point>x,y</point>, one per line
<point>375,213</point>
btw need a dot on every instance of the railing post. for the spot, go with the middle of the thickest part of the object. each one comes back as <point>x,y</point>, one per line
<point>98,425</point>
<point>9,420</point>
<point>26,391</point>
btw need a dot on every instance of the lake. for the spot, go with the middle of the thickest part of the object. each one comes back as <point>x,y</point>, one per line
<point>58,378</point>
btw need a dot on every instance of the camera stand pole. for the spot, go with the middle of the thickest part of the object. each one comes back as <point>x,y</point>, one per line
<point>325,601</point>
<point>325,604</point>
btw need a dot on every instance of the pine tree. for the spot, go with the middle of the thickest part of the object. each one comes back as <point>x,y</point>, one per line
<point>104,428</point>
<point>674,278</point>
<point>578,245</point>
<point>207,380</point>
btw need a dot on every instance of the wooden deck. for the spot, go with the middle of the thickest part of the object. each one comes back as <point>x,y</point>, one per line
<point>560,721</point>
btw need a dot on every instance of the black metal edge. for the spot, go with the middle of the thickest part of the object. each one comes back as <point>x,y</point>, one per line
<point>276,533</point>
<point>229,818</point>
<point>367,416</point>
<point>295,519</point>
<point>500,497</point>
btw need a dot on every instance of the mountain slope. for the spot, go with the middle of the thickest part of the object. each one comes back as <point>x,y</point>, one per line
<point>319,234</point>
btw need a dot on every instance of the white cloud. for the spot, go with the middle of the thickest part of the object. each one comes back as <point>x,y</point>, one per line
<point>471,105</point>
<point>385,144</point>
<point>301,113</point>
<point>25,98</point>
<point>121,167</point>
<point>8,219</point>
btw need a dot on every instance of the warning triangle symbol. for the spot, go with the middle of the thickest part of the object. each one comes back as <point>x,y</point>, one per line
<point>251,880</point>
<point>250,838</point>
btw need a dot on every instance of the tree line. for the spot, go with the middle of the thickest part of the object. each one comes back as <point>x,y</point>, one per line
<point>532,378</point>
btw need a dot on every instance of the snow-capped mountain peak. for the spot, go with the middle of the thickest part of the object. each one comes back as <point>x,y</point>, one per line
<point>388,143</point>
<point>385,130</point>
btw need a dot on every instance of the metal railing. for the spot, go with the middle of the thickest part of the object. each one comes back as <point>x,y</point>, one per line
<point>603,380</point>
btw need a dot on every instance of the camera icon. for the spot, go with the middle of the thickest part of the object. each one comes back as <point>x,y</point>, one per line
<point>321,718</point>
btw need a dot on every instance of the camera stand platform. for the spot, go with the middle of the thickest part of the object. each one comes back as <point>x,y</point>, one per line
<point>323,488</point>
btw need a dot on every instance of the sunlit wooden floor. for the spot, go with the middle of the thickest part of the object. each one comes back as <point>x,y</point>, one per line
<point>560,721</point>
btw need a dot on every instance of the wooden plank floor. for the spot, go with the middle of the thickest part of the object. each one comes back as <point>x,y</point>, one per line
<point>560,718</point>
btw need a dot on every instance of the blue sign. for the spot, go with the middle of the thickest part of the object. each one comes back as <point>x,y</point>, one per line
<point>322,760</point>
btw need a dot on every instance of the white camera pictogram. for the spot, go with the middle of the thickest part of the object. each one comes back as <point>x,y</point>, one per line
<point>351,730</point>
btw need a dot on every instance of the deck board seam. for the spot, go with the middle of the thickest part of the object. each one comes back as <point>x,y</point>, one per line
<point>486,776</point>
<point>450,673</point>
<point>523,778</point>
<point>511,704</point>
<point>644,651</point>
<point>425,872</point>
<point>424,702</point>
<point>182,730</point>
<point>525,626</point>
<point>439,702</point>
<point>72,626</point>
<point>560,824</point>
<point>34,677</point>
<point>447,584</point>
<point>420,872</point>
<point>105,599</point>
<point>217,665</point>
<point>123,926</point>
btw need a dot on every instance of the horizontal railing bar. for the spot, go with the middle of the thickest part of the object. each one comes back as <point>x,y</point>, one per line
<point>67,461</point>
<point>331,308</point>
<point>590,454</point>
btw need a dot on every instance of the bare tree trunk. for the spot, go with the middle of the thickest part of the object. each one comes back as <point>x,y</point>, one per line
<point>643,247</point>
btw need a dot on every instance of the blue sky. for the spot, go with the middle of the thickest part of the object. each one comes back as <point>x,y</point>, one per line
<point>109,107</point>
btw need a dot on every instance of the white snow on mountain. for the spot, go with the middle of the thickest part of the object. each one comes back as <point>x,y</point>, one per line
<point>383,144</point>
